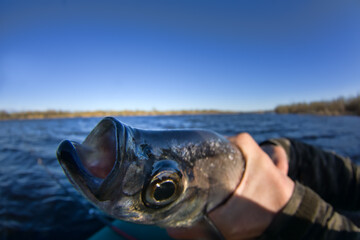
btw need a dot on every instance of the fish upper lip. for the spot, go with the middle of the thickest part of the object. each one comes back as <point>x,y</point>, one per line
<point>90,166</point>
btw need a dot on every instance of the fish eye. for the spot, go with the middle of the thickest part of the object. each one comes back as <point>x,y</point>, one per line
<point>163,189</point>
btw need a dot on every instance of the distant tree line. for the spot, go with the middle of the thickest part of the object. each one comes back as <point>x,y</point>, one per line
<point>339,106</point>
<point>67,114</point>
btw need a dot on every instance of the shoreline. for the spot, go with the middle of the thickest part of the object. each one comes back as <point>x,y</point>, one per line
<point>38,115</point>
<point>14,116</point>
<point>337,107</point>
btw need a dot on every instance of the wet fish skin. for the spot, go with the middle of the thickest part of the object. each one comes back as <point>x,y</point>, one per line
<point>169,178</point>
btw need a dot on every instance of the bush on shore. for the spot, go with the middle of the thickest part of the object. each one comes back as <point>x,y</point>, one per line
<point>340,106</point>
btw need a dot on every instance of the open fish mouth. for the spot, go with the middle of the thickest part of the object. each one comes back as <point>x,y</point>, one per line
<point>91,164</point>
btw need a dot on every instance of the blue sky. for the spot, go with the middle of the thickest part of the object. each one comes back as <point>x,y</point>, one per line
<point>170,55</point>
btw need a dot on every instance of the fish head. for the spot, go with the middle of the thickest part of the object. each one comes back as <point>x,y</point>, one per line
<point>129,182</point>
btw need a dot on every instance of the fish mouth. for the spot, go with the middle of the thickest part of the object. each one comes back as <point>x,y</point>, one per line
<point>92,165</point>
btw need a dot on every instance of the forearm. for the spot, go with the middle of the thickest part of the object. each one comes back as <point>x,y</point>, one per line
<point>334,178</point>
<point>307,216</point>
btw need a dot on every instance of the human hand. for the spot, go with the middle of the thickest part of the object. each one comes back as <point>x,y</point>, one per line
<point>263,191</point>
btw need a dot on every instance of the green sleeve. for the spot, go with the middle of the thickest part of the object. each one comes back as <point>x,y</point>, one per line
<point>307,216</point>
<point>336,179</point>
<point>324,184</point>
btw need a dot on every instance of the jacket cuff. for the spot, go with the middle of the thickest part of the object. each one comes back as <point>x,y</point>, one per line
<point>297,216</point>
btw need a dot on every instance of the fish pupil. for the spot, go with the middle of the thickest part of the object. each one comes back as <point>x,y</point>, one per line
<point>164,190</point>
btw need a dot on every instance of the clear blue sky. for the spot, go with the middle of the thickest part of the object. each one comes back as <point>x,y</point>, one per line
<point>115,55</point>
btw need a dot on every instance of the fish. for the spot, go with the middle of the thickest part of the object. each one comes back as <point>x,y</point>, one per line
<point>168,178</point>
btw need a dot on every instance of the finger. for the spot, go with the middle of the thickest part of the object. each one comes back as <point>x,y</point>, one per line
<point>278,155</point>
<point>246,144</point>
<point>251,149</point>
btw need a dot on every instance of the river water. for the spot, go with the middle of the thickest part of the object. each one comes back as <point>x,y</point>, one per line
<point>34,206</point>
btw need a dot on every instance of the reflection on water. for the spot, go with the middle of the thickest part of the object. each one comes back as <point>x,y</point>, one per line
<point>33,205</point>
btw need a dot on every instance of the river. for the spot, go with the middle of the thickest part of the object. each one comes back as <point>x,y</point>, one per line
<point>33,205</point>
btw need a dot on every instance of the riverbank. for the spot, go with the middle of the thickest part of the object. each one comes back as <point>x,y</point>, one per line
<point>339,106</point>
<point>67,114</point>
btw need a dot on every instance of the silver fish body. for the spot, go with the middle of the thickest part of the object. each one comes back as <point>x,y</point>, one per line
<point>169,178</point>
